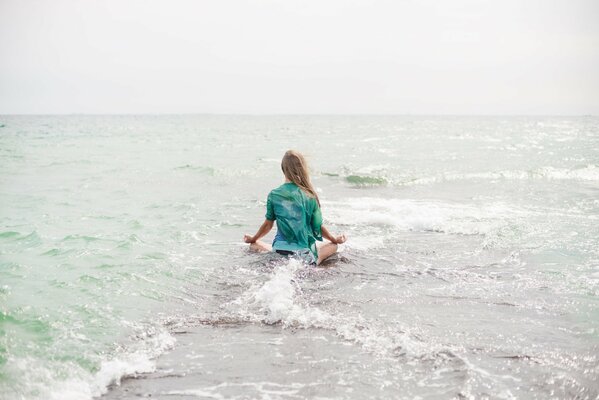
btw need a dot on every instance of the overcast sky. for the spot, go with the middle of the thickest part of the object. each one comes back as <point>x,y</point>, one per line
<point>287,56</point>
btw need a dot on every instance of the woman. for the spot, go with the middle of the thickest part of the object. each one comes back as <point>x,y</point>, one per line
<point>296,208</point>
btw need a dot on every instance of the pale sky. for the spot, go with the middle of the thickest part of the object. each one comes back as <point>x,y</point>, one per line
<point>298,57</point>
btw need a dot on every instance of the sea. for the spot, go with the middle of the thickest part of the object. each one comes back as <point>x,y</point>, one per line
<point>471,268</point>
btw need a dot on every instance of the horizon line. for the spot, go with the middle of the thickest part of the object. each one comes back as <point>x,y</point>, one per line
<point>296,114</point>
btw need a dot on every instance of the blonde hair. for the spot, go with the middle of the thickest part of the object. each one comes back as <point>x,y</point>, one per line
<point>295,168</point>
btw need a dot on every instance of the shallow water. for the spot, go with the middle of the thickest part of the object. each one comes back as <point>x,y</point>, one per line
<point>471,269</point>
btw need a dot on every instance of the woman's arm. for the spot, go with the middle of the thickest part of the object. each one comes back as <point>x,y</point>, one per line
<point>334,239</point>
<point>263,230</point>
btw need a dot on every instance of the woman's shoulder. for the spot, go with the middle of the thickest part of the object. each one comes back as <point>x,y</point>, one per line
<point>278,189</point>
<point>283,190</point>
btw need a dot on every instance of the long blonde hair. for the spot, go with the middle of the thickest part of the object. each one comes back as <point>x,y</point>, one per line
<point>295,168</point>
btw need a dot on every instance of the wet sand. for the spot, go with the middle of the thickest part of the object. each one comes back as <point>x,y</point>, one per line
<point>269,362</point>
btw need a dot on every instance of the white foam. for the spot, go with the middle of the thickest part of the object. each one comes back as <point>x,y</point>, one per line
<point>45,381</point>
<point>420,215</point>
<point>276,296</point>
<point>276,299</point>
<point>588,173</point>
<point>501,383</point>
<point>110,373</point>
<point>369,169</point>
<point>131,364</point>
<point>266,389</point>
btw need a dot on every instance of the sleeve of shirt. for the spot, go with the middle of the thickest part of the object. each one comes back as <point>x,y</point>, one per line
<point>270,210</point>
<point>316,222</point>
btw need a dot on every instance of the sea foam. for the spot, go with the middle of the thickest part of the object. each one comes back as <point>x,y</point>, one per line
<point>421,215</point>
<point>46,384</point>
<point>589,173</point>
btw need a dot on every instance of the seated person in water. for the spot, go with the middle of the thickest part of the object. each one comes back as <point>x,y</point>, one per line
<point>296,208</point>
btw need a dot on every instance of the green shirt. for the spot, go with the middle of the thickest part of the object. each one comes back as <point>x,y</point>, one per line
<point>298,218</point>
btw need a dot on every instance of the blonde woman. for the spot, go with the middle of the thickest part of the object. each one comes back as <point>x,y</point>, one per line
<point>296,208</point>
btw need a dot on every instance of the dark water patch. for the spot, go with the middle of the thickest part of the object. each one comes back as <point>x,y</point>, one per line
<point>518,357</point>
<point>107,266</point>
<point>128,243</point>
<point>89,279</point>
<point>124,245</point>
<point>453,297</point>
<point>57,252</point>
<point>154,256</point>
<point>436,274</point>
<point>476,266</point>
<point>9,235</point>
<point>134,239</point>
<point>60,284</point>
<point>363,180</point>
<point>100,217</point>
<point>362,276</point>
<point>134,224</point>
<point>329,174</point>
<point>229,224</point>
<point>227,285</point>
<point>30,240</point>
<point>473,299</point>
<point>505,303</point>
<point>68,162</point>
<point>82,238</point>
<point>150,376</point>
<point>198,168</point>
<point>14,156</point>
<point>67,266</point>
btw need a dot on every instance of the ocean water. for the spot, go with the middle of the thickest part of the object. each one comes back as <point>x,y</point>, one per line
<point>471,268</point>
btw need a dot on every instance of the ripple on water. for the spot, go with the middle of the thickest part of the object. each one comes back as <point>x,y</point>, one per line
<point>9,235</point>
<point>31,239</point>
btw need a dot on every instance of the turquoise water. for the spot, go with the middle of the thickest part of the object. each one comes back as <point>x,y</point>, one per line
<point>471,269</point>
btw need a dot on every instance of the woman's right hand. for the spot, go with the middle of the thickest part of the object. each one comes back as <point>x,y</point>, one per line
<point>340,239</point>
<point>248,239</point>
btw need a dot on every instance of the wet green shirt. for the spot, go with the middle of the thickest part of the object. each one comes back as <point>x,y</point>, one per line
<point>298,218</point>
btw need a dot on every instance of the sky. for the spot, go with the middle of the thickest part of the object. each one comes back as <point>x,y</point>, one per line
<point>534,57</point>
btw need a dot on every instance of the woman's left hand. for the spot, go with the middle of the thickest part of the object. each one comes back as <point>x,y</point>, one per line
<point>248,239</point>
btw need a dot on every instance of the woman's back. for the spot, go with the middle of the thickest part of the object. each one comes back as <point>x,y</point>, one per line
<point>298,218</point>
